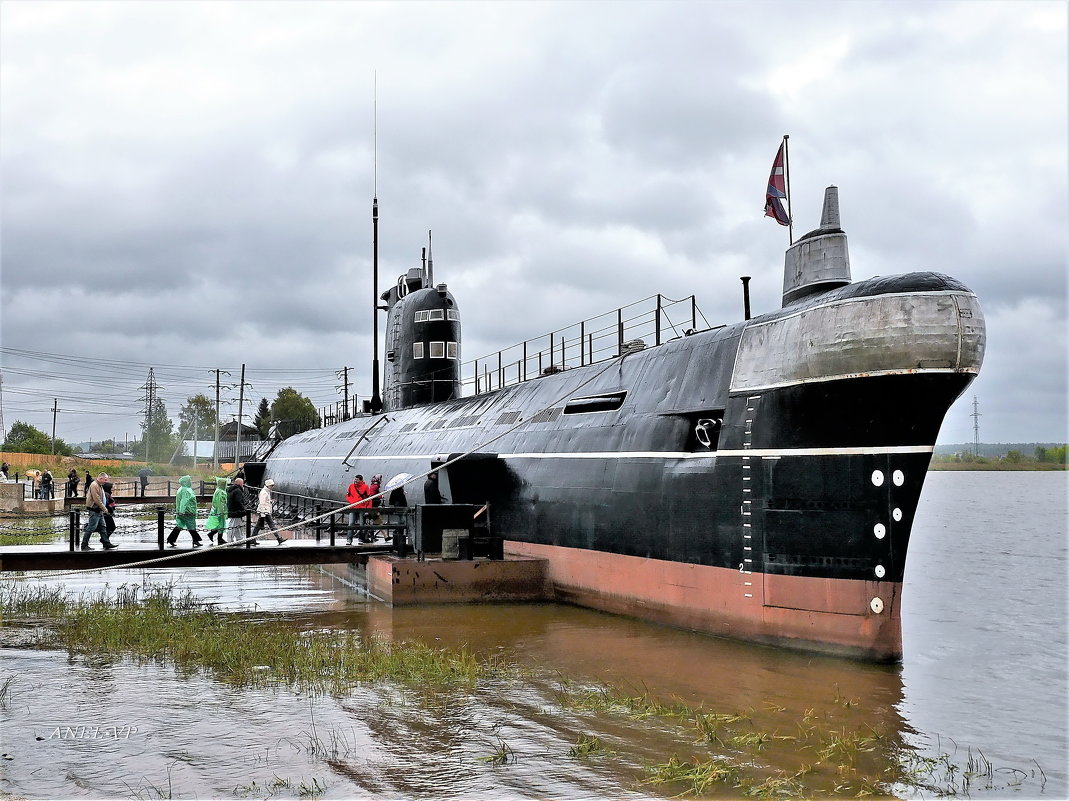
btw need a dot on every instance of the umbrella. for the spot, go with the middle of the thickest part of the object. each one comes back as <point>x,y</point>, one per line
<point>396,481</point>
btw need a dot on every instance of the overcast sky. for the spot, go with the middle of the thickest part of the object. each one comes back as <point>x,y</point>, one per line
<point>188,185</point>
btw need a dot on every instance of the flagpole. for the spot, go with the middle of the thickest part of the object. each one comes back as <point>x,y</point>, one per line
<point>787,178</point>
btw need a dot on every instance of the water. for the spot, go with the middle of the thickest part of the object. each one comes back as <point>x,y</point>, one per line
<point>984,671</point>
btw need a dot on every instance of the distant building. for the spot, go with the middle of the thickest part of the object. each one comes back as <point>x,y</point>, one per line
<point>228,435</point>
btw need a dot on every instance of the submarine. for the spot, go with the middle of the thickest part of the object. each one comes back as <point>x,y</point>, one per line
<point>756,480</point>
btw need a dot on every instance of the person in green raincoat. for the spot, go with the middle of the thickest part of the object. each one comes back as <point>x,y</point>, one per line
<point>185,505</point>
<point>217,515</point>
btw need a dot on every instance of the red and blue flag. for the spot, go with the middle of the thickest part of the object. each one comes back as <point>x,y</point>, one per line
<point>777,191</point>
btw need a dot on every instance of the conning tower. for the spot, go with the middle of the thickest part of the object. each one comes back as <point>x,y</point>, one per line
<point>422,342</point>
<point>820,260</point>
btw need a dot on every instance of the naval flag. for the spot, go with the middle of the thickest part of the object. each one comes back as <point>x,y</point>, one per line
<point>777,191</point>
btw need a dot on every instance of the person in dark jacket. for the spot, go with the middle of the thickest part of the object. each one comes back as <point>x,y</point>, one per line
<point>72,483</point>
<point>397,497</point>
<point>431,493</point>
<point>143,474</point>
<point>46,485</point>
<point>237,505</point>
<point>88,481</point>
<point>109,506</point>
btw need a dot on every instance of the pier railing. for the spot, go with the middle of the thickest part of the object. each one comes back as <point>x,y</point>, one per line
<point>652,320</point>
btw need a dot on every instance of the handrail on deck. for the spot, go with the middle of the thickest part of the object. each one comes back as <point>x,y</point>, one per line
<point>587,342</point>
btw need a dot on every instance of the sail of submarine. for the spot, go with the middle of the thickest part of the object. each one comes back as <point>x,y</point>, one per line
<point>756,480</point>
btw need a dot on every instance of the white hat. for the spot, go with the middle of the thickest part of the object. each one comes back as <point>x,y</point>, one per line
<point>269,483</point>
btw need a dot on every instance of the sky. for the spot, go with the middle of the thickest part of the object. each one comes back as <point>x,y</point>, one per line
<point>187,186</point>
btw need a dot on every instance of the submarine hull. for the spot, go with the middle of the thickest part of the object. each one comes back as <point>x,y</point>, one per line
<point>757,481</point>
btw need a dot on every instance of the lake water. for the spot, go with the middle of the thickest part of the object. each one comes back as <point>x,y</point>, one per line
<point>984,673</point>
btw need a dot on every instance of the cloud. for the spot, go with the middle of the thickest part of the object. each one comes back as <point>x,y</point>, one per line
<point>190,184</point>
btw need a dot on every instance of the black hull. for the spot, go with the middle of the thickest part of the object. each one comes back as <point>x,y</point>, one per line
<point>809,479</point>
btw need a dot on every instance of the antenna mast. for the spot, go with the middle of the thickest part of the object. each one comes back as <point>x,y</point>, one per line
<point>975,427</point>
<point>430,262</point>
<point>376,398</point>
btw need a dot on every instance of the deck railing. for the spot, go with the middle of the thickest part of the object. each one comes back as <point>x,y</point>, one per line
<point>652,320</point>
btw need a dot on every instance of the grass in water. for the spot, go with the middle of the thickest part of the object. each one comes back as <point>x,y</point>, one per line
<point>159,623</point>
<point>830,759</point>
<point>589,745</point>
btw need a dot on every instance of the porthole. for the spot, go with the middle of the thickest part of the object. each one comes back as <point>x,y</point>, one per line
<point>898,477</point>
<point>896,513</point>
<point>880,530</point>
<point>877,478</point>
<point>876,605</point>
<point>880,571</point>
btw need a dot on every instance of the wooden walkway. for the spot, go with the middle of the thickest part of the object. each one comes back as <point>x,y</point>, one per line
<point>267,554</point>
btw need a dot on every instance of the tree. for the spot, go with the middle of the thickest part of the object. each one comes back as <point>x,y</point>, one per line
<point>159,440</point>
<point>196,419</point>
<point>25,438</point>
<point>293,412</point>
<point>263,418</point>
<point>1014,457</point>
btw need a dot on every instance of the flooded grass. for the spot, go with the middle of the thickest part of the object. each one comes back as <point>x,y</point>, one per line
<point>160,623</point>
<point>833,758</point>
<point>764,753</point>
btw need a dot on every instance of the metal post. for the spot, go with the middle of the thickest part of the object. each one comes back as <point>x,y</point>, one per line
<point>552,350</point>
<point>73,533</point>
<point>590,339</point>
<point>159,527</point>
<point>331,531</point>
<point>248,529</point>
<point>745,296</point>
<point>657,322</point>
<point>693,312</point>
<point>500,372</point>
<point>563,358</point>
<point>582,339</point>
<point>619,332</point>
<point>525,360</point>
<point>476,376</point>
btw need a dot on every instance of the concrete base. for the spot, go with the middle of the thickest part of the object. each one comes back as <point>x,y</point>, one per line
<point>406,582</point>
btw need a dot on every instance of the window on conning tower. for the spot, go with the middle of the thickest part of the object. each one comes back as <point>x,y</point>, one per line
<point>417,350</point>
<point>437,350</point>
<point>450,350</point>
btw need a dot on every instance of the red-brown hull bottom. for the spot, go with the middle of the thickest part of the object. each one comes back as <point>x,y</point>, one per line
<point>833,616</point>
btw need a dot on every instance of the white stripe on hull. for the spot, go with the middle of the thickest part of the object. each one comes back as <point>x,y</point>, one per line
<point>769,452</point>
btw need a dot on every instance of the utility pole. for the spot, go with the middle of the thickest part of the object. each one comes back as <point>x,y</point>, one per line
<point>241,406</point>
<point>3,430</point>
<point>343,374</point>
<point>149,398</point>
<point>215,450</point>
<point>55,411</point>
<point>975,427</point>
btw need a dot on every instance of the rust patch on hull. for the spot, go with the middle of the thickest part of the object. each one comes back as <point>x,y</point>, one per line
<point>831,616</point>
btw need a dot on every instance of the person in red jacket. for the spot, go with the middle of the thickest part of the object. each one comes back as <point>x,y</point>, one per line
<point>356,498</point>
